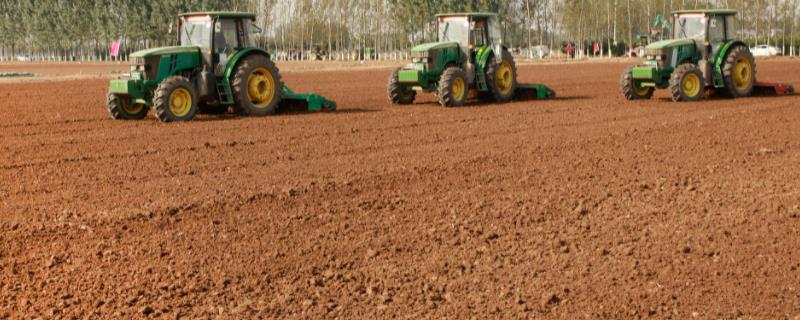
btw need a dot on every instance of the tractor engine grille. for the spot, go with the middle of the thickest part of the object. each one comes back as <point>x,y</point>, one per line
<point>148,67</point>
<point>662,56</point>
<point>426,57</point>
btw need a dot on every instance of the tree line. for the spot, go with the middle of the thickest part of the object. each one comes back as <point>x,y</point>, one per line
<point>365,29</point>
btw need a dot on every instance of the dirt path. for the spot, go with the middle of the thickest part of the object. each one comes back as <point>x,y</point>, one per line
<point>586,206</point>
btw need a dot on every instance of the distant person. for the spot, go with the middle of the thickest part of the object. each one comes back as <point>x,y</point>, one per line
<point>569,50</point>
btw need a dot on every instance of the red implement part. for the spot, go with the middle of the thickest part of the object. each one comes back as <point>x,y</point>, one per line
<point>767,88</point>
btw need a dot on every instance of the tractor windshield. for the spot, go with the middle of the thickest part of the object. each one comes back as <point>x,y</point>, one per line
<point>454,29</point>
<point>196,32</point>
<point>690,27</point>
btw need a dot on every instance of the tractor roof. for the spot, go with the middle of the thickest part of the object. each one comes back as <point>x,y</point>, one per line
<point>468,14</point>
<point>718,12</point>
<point>220,14</point>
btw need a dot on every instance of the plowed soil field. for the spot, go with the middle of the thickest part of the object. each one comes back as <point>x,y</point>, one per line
<point>586,206</point>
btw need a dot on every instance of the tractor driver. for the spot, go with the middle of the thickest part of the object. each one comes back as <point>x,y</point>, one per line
<point>478,33</point>
<point>225,36</point>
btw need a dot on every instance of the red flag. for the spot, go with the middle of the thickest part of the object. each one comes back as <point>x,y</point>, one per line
<point>114,51</point>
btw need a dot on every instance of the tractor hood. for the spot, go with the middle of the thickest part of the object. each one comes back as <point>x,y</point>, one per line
<point>664,44</point>
<point>163,51</point>
<point>434,46</point>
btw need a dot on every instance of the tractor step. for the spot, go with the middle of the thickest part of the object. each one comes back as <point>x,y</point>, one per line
<point>305,101</point>
<point>772,89</point>
<point>533,91</point>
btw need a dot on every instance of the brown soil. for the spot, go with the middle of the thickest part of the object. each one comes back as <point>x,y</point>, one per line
<point>586,206</point>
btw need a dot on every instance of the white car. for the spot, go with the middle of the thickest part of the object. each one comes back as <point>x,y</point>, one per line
<point>765,51</point>
<point>24,58</point>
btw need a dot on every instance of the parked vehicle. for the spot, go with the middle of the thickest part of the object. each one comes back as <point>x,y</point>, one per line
<point>765,51</point>
<point>25,58</point>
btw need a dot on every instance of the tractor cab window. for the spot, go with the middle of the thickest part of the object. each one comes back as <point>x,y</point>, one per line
<point>479,33</point>
<point>195,32</point>
<point>716,29</point>
<point>454,29</point>
<point>249,35</point>
<point>690,26</point>
<point>226,37</point>
<point>730,27</point>
<point>495,34</point>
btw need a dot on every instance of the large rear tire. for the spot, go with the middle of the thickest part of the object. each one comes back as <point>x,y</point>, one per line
<point>257,86</point>
<point>122,108</point>
<point>739,72</point>
<point>453,88</point>
<point>400,94</point>
<point>632,89</point>
<point>175,100</point>
<point>501,78</point>
<point>686,83</point>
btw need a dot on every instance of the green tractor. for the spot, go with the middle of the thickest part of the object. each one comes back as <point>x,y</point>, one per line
<point>469,56</point>
<point>214,69</point>
<point>703,55</point>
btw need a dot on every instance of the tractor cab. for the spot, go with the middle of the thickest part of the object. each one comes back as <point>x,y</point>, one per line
<point>710,29</point>
<point>470,30</point>
<point>219,36</point>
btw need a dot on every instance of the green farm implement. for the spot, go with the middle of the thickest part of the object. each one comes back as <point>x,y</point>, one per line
<point>703,56</point>
<point>469,57</point>
<point>215,68</point>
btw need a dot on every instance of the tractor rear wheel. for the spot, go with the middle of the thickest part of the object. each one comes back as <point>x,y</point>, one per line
<point>632,89</point>
<point>122,108</point>
<point>739,72</point>
<point>257,86</point>
<point>686,83</point>
<point>453,88</point>
<point>502,77</point>
<point>400,94</point>
<point>175,100</point>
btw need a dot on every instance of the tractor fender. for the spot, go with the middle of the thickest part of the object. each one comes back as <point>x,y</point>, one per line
<point>723,53</point>
<point>239,56</point>
<point>483,56</point>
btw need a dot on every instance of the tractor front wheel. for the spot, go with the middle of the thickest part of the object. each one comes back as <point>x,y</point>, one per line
<point>502,77</point>
<point>122,108</point>
<point>453,87</point>
<point>175,100</point>
<point>739,72</point>
<point>632,89</point>
<point>257,86</point>
<point>686,83</point>
<point>400,94</point>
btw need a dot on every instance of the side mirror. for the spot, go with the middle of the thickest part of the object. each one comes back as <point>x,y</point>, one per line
<point>256,29</point>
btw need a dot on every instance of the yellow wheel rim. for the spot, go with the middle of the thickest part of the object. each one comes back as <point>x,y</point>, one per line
<point>505,77</point>
<point>459,89</point>
<point>691,85</point>
<point>180,102</point>
<point>131,108</point>
<point>640,91</point>
<point>261,87</point>
<point>742,74</point>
